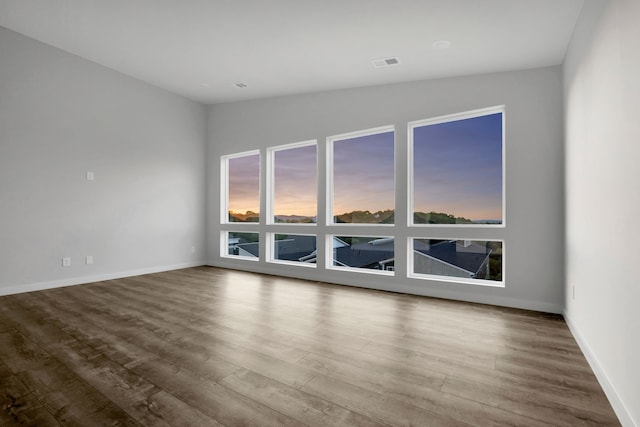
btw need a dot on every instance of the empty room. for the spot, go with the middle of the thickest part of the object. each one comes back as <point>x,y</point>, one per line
<point>319,213</point>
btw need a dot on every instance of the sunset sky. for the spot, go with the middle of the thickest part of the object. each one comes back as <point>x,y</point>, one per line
<point>364,176</point>
<point>296,181</point>
<point>457,170</point>
<point>244,183</point>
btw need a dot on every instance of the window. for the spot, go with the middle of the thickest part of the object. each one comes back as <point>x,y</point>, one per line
<point>455,179</point>
<point>362,253</point>
<point>293,194</point>
<point>469,261</point>
<point>361,172</point>
<point>241,188</point>
<point>299,249</point>
<point>241,244</point>
<point>456,165</point>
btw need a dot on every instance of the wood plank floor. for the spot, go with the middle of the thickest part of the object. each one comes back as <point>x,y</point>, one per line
<point>209,347</point>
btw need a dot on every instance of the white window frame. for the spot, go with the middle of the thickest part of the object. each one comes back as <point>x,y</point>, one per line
<point>224,186</point>
<point>451,279</point>
<point>445,119</point>
<point>270,199</point>
<point>270,252</point>
<point>329,171</point>
<point>224,245</point>
<point>329,256</point>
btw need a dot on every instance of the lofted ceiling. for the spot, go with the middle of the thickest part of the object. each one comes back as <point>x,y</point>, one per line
<point>202,48</point>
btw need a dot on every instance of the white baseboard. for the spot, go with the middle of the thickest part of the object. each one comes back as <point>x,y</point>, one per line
<point>31,287</point>
<point>618,405</point>
<point>403,287</point>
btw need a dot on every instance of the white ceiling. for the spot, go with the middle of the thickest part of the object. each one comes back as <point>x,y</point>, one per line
<point>201,48</point>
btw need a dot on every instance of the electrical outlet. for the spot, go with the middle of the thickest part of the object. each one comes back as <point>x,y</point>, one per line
<point>573,292</point>
<point>193,249</point>
<point>89,259</point>
<point>66,261</point>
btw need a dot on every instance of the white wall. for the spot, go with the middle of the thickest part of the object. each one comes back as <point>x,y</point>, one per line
<point>61,116</point>
<point>534,234</point>
<point>602,99</point>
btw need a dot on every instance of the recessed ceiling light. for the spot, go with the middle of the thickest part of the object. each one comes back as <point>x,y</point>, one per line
<point>385,62</point>
<point>441,44</point>
<point>241,85</point>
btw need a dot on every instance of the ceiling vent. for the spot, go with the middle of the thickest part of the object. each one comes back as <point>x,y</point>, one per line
<point>385,62</point>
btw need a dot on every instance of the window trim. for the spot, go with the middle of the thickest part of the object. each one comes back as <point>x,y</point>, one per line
<point>269,247</point>
<point>451,279</point>
<point>329,173</point>
<point>224,245</point>
<point>224,186</point>
<point>325,228</point>
<point>329,256</point>
<point>270,180</point>
<point>447,119</point>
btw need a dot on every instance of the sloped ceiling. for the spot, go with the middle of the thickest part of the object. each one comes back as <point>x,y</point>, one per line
<point>202,48</point>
